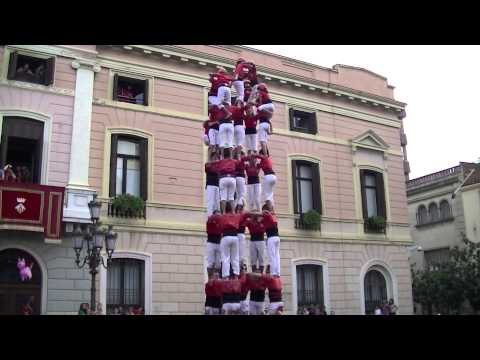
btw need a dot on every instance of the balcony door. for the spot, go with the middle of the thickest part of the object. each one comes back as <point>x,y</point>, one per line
<point>21,147</point>
<point>15,294</point>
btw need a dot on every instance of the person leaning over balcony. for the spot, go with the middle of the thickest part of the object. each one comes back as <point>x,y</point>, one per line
<point>253,182</point>
<point>212,192</point>
<point>226,169</point>
<point>214,235</point>
<point>269,178</point>
<point>273,240</point>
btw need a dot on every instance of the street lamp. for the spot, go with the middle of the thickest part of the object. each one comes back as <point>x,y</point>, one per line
<point>93,238</point>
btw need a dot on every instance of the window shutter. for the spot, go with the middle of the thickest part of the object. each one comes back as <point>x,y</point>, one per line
<point>382,208</point>
<point>145,96</point>
<point>50,71</point>
<point>3,145</point>
<point>144,169</point>
<point>294,185</point>
<point>291,114</point>
<point>313,123</point>
<point>115,87</point>
<point>113,166</point>
<point>364,196</point>
<point>316,193</point>
<point>12,68</point>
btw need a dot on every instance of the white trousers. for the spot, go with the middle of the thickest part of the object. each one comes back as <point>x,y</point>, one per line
<point>240,88</point>
<point>242,248</point>
<point>263,129</point>
<point>230,308</point>
<point>223,95</point>
<point>272,309</point>
<point>213,137</point>
<point>267,107</point>
<point>253,194</point>
<point>239,135</point>
<point>244,307</point>
<point>256,308</point>
<point>227,188</point>
<point>230,255</point>
<point>212,199</point>
<point>273,251</point>
<point>269,182</point>
<point>206,139</point>
<point>257,252</point>
<point>212,311</point>
<point>251,142</point>
<point>240,190</point>
<point>213,255</point>
<point>225,135</point>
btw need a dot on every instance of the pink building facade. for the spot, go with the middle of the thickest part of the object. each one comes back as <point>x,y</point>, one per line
<point>341,123</point>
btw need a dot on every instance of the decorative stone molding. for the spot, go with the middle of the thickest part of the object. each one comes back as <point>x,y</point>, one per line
<point>77,64</point>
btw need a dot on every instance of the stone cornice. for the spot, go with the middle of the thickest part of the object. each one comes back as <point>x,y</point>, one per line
<point>270,75</point>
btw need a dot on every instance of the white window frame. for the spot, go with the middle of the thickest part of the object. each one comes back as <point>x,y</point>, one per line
<point>124,254</point>
<point>326,282</point>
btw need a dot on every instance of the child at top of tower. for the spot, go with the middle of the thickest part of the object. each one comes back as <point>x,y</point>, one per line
<point>244,70</point>
<point>220,94</point>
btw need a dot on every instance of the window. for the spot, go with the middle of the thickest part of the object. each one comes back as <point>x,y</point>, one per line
<point>433,212</point>
<point>128,166</point>
<point>422,215</point>
<point>303,121</point>
<point>445,212</point>
<point>437,256</point>
<point>125,284</point>
<point>31,69</point>
<point>310,285</point>
<point>134,91</point>
<point>373,194</point>
<point>306,186</point>
<point>375,287</point>
<point>21,147</point>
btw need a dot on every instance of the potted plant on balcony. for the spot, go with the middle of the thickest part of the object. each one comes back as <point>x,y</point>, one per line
<point>376,224</point>
<point>311,220</point>
<point>128,205</point>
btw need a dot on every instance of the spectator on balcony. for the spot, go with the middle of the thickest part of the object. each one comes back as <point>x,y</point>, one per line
<point>127,93</point>
<point>392,307</point>
<point>40,73</point>
<point>385,308</point>
<point>24,72</point>
<point>9,174</point>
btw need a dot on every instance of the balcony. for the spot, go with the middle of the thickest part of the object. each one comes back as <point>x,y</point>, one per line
<point>31,207</point>
<point>301,225</point>
<point>372,227</point>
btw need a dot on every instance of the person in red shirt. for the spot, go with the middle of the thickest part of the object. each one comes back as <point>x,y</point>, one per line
<point>242,243</point>
<point>215,116</point>
<point>265,112</point>
<point>229,247</point>
<point>269,177</point>
<point>244,290</point>
<point>220,94</point>
<point>214,235</point>
<point>243,70</point>
<point>257,242</point>
<point>226,170</point>
<point>270,223</point>
<point>238,116</point>
<point>256,285</point>
<point>212,192</point>
<point>240,188</point>
<point>213,295</point>
<point>251,120</point>
<point>274,286</point>
<point>252,167</point>
<point>231,294</point>
<point>247,90</point>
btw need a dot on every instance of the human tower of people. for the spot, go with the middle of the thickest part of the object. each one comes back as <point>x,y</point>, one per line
<point>233,181</point>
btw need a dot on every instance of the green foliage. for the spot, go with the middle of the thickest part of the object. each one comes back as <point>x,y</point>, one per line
<point>447,285</point>
<point>128,205</point>
<point>312,219</point>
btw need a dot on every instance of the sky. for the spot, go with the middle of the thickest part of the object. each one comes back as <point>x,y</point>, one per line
<point>440,85</point>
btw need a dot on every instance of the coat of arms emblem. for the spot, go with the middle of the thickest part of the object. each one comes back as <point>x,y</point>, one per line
<point>20,208</point>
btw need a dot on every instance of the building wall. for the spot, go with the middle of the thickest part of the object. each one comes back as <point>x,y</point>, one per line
<point>471,203</point>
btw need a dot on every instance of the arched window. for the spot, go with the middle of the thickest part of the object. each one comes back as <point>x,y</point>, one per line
<point>422,215</point>
<point>375,287</point>
<point>445,211</point>
<point>433,212</point>
<point>310,287</point>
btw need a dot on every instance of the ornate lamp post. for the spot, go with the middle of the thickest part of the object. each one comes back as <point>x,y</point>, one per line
<point>93,239</point>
